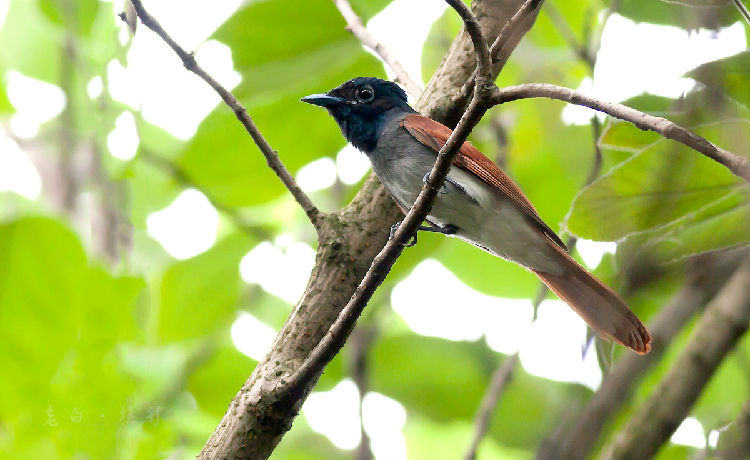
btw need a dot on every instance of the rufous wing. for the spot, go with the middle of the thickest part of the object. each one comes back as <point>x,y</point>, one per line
<point>434,135</point>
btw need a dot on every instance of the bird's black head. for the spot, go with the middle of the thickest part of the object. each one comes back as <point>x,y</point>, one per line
<point>361,106</point>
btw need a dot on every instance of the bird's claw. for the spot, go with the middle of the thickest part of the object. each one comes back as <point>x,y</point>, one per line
<point>443,188</point>
<point>412,241</point>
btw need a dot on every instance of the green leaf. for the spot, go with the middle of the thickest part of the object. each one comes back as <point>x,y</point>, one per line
<point>729,75</point>
<point>215,383</point>
<point>199,295</point>
<point>439,40</point>
<point>16,29</point>
<point>453,373</point>
<point>418,371</point>
<point>623,135</point>
<point>688,14</point>
<point>60,322</point>
<point>78,16</point>
<point>427,440</point>
<point>722,224</point>
<point>310,57</point>
<point>663,183</point>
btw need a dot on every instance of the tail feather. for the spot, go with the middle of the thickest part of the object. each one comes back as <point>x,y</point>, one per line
<point>598,305</point>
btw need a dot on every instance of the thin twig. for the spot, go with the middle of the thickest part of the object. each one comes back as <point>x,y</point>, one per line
<point>355,25</point>
<point>497,57</point>
<point>509,29</point>
<point>568,35</point>
<point>360,344</point>
<point>500,380</point>
<point>738,165</point>
<point>743,10</point>
<point>381,265</point>
<point>272,157</point>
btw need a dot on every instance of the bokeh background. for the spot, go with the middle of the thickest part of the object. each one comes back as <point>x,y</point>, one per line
<point>148,255</point>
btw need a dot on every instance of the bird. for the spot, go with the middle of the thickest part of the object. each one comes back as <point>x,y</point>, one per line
<point>477,203</point>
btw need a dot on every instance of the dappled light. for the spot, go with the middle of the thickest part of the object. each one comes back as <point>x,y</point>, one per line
<point>207,251</point>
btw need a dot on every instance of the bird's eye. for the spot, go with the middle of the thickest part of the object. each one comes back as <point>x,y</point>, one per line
<point>365,94</point>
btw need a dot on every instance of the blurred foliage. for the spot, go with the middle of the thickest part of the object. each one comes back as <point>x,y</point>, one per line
<point>132,357</point>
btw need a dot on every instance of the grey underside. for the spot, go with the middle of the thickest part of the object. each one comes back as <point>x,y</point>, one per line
<point>483,216</point>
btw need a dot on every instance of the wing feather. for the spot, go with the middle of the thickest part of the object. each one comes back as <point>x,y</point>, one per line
<point>434,135</point>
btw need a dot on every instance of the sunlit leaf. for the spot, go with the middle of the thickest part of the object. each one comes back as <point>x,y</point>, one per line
<point>199,295</point>
<point>664,182</point>
<point>728,75</point>
<point>689,14</point>
<point>309,57</point>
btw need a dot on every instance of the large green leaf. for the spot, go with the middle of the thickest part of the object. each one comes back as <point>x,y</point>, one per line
<point>729,75</point>
<point>445,381</point>
<point>665,182</point>
<point>215,383</point>
<point>78,16</point>
<point>722,224</point>
<point>199,295</point>
<point>60,322</point>
<point>689,14</point>
<point>17,30</point>
<point>277,69</point>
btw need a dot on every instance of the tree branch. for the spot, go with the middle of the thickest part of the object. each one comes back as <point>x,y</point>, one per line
<point>355,25</point>
<point>738,165</point>
<point>500,380</point>
<point>503,46</point>
<point>272,157</point>
<point>719,329</point>
<point>360,344</point>
<point>506,41</point>
<point>742,9</point>
<point>458,69</point>
<point>381,265</point>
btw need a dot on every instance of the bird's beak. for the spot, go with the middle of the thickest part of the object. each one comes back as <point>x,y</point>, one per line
<point>323,100</point>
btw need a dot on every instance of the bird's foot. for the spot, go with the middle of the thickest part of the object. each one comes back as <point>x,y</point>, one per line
<point>412,241</point>
<point>449,229</point>
<point>445,188</point>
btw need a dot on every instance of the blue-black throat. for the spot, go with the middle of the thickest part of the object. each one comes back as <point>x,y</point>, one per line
<point>361,107</point>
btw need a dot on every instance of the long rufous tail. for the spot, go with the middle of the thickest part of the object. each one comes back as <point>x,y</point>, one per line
<point>598,305</point>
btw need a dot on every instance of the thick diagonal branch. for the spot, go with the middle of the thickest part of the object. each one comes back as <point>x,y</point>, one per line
<point>257,418</point>
<point>340,330</point>
<point>738,165</point>
<point>355,25</point>
<point>272,157</point>
<point>718,331</point>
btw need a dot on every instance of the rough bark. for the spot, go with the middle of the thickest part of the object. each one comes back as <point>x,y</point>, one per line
<point>349,240</point>
<point>719,329</point>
